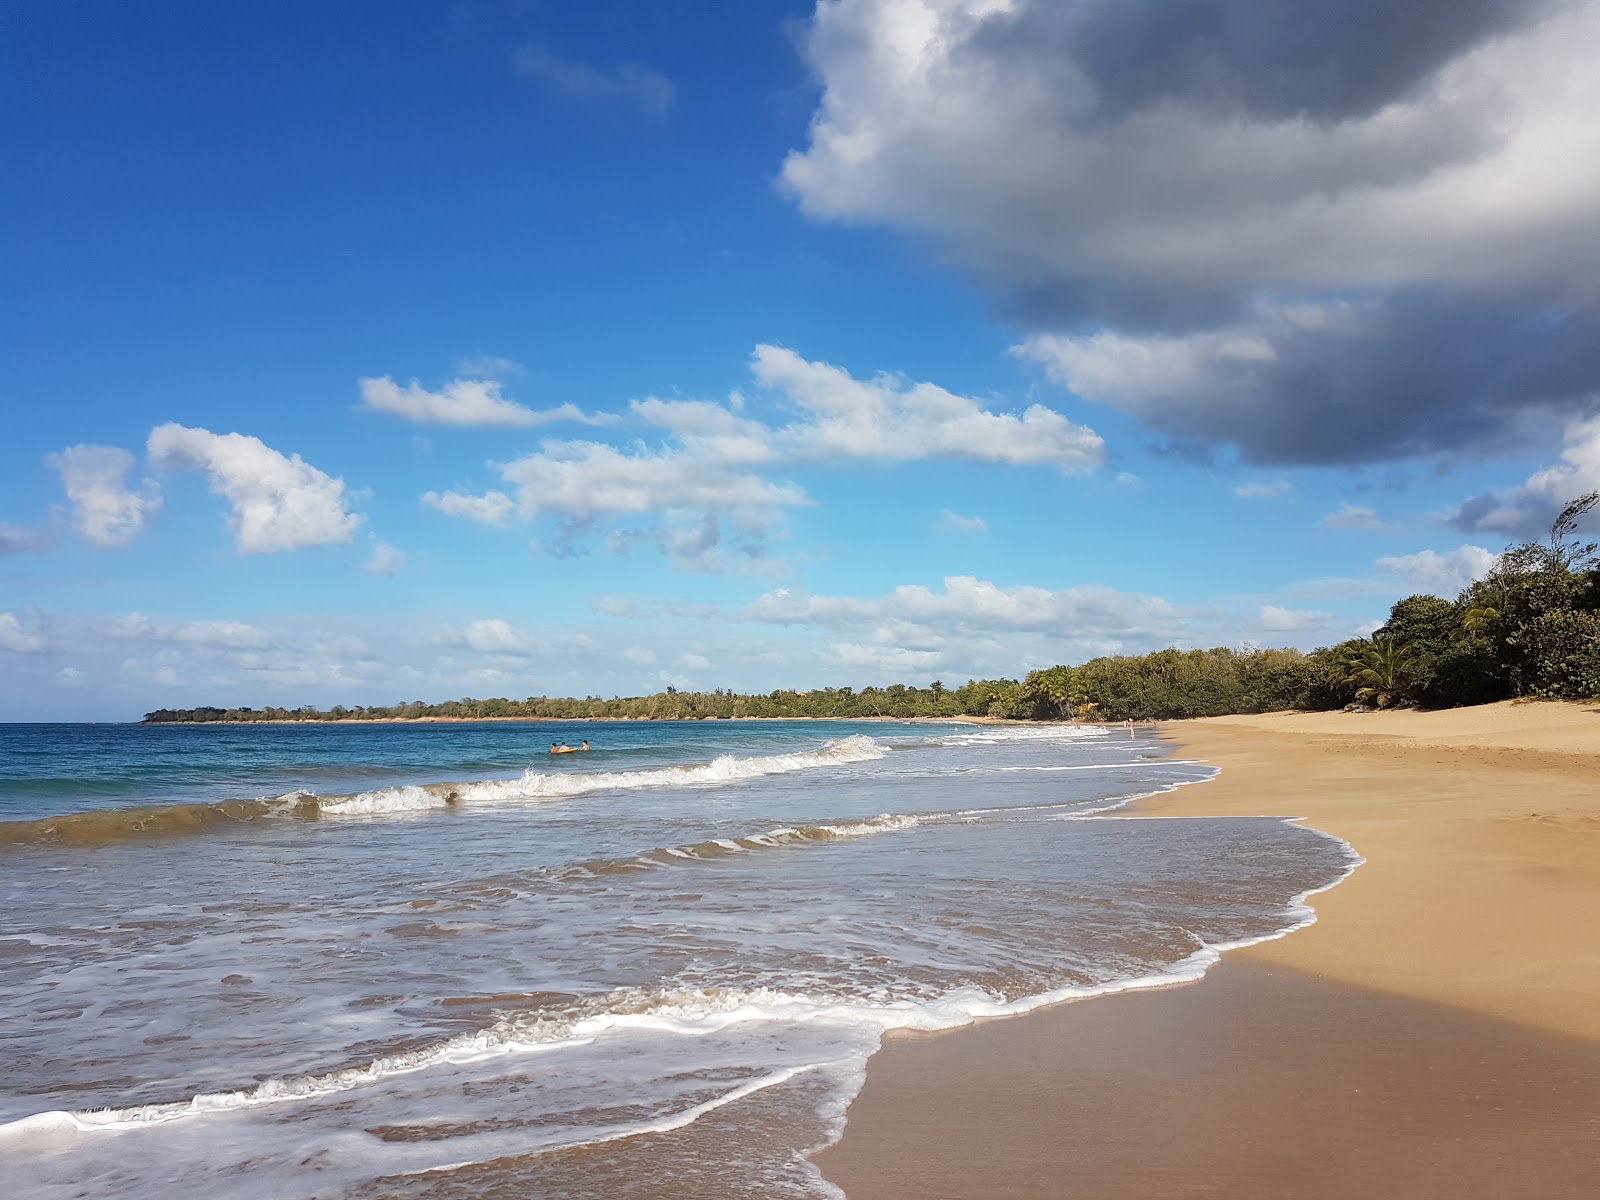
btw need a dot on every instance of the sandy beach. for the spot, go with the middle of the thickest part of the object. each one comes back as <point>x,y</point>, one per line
<point>1436,1032</point>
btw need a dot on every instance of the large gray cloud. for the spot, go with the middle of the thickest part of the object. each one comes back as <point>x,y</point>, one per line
<point>1372,229</point>
<point>1327,61</point>
<point>1528,511</point>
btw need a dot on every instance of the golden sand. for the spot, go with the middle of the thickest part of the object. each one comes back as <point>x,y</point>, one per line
<point>1435,1034</point>
<point>1481,830</point>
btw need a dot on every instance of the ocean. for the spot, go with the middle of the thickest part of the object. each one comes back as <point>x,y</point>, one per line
<point>434,960</point>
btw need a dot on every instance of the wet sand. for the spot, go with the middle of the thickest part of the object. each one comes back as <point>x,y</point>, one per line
<point>1435,1034</point>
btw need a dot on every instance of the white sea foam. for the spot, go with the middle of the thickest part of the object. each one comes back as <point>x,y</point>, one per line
<point>384,800</point>
<point>982,735</point>
<point>725,768</point>
<point>545,785</point>
<point>679,1012</point>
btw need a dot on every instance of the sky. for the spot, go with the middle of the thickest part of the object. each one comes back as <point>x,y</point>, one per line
<point>390,351</point>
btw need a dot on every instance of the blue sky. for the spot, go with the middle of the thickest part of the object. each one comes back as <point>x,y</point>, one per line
<point>375,352</point>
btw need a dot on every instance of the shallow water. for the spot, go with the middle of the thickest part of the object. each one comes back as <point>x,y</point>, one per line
<point>378,960</point>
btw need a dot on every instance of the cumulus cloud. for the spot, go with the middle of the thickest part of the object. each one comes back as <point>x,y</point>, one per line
<point>492,508</point>
<point>1441,574</point>
<point>887,417</point>
<point>892,418</point>
<point>462,402</point>
<point>385,560</point>
<point>1341,231</point>
<point>710,490</point>
<point>973,627</point>
<point>216,634</point>
<point>1354,517</point>
<point>628,85</point>
<point>968,603</point>
<point>16,636</point>
<point>498,637</point>
<point>14,539</point>
<point>236,635</point>
<point>1528,511</point>
<point>494,636</point>
<point>278,503</point>
<point>1293,620</point>
<point>587,479</point>
<point>105,511</point>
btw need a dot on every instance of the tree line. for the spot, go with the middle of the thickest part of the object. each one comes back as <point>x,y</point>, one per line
<point>1530,628</point>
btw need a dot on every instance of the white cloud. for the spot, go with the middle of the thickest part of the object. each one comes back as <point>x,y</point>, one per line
<point>15,636</point>
<point>492,508</point>
<point>1127,185</point>
<point>16,540</point>
<point>1293,620</point>
<point>711,485</point>
<point>581,480</point>
<point>1264,490</point>
<point>1354,517</point>
<point>497,636</point>
<point>1441,574</point>
<point>494,636</point>
<point>1528,511</point>
<point>233,635</point>
<point>278,503</point>
<point>968,603</point>
<point>385,560</point>
<point>106,512</point>
<point>892,418</point>
<point>639,656</point>
<point>707,430</point>
<point>69,677</point>
<point>694,662</point>
<point>464,402</point>
<point>627,85</point>
<point>216,634</point>
<point>962,524</point>
<point>1142,373</point>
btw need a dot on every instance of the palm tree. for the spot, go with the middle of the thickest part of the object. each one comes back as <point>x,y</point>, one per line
<point>1383,672</point>
<point>1483,613</point>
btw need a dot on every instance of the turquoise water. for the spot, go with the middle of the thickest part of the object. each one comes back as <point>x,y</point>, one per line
<point>433,959</point>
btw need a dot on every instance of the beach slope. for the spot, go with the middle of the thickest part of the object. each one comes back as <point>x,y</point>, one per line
<point>1435,1033</point>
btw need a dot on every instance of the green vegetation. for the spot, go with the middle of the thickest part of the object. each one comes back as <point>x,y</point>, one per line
<point>1531,628</point>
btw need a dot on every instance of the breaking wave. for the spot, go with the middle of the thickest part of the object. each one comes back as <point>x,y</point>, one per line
<point>105,826</point>
<point>774,839</point>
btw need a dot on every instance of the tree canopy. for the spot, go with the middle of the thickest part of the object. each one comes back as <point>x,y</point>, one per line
<point>1531,627</point>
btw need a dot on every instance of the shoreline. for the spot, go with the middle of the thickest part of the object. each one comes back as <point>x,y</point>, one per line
<point>961,720</point>
<point>1433,1033</point>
